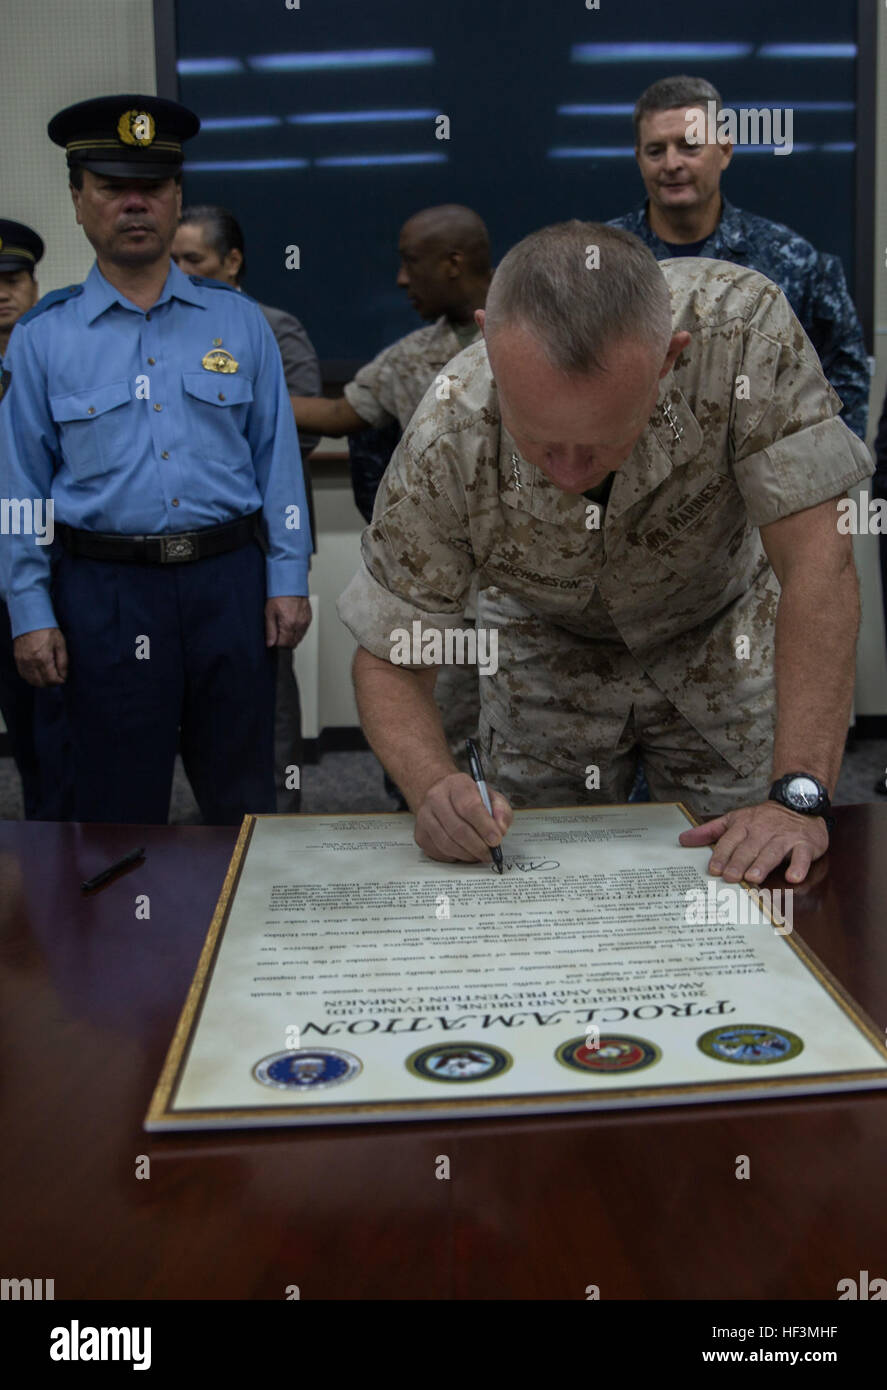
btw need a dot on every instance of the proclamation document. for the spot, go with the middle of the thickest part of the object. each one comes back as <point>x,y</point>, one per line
<point>346,977</point>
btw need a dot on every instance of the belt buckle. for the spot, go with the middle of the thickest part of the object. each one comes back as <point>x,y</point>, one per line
<point>176,549</point>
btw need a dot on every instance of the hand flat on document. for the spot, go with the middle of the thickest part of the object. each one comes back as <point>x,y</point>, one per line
<point>452,824</point>
<point>752,841</point>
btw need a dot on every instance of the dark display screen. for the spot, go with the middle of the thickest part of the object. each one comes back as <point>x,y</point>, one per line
<point>320,127</point>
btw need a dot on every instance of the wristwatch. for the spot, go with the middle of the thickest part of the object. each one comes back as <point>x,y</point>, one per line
<point>805,794</point>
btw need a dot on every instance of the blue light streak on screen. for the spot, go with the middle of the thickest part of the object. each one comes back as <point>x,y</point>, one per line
<point>358,58</point>
<point>359,117</point>
<point>620,108</point>
<point>239,122</point>
<point>807,50</point>
<point>215,166</point>
<point>769,149</point>
<point>626,152</point>
<point>356,161</point>
<point>616,108</point>
<point>592,152</point>
<point>208,67</point>
<point>655,52</point>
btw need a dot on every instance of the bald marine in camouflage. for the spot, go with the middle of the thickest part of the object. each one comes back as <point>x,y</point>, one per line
<point>445,272</point>
<point>646,484</point>
<point>687,215</point>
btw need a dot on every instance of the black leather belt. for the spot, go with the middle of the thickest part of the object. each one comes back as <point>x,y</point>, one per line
<point>175,548</point>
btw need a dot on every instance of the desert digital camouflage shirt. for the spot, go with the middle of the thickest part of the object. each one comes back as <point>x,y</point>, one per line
<point>393,384</point>
<point>674,575</point>
<point>812,281</point>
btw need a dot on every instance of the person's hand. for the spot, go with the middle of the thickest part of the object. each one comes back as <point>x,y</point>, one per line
<point>752,841</point>
<point>453,824</point>
<point>287,620</point>
<point>41,656</point>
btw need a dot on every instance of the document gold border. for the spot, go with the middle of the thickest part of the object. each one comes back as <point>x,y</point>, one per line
<point>162,1116</point>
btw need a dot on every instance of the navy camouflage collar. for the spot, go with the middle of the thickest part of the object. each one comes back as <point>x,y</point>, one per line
<point>728,235</point>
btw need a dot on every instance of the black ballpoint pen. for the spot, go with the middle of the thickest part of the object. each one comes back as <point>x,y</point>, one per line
<point>98,879</point>
<point>477,773</point>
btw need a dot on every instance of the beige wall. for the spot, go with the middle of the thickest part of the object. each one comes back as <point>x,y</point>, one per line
<point>55,52</point>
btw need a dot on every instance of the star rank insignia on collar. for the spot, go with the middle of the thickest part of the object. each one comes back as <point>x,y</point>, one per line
<point>676,429</point>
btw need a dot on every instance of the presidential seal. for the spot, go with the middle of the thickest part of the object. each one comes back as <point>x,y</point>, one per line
<point>136,128</point>
<point>306,1069</point>
<point>750,1044</point>
<point>459,1062</point>
<point>219,360</point>
<point>615,1052</point>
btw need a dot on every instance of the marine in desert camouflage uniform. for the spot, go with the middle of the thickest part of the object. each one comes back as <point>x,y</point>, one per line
<point>445,271</point>
<point>654,633</point>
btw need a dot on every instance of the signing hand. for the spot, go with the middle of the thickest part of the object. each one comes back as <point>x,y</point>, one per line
<point>752,841</point>
<point>286,621</point>
<point>452,823</point>
<point>41,656</point>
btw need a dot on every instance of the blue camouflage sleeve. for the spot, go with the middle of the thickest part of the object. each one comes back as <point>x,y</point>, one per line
<point>837,335</point>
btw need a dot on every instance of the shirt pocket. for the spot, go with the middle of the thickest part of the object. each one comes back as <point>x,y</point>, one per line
<point>219,403</point>
<point>92,427</point>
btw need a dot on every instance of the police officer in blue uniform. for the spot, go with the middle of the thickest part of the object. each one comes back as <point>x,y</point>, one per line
<point>686,215</point>
<point>151,407</point>
<point>34,719</point>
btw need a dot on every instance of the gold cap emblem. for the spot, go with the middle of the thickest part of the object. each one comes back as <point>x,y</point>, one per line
<point>218,360</point>
<point>136,128</point>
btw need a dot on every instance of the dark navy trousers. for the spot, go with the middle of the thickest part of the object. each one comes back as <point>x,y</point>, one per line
<point>161,654</point>
<point>37,729</point>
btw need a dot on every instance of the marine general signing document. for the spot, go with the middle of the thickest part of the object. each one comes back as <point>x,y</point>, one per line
<point>347,977</point>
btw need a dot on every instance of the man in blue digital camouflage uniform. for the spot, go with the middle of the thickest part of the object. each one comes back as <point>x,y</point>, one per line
<point>687,215</point>
<point>151,408</point>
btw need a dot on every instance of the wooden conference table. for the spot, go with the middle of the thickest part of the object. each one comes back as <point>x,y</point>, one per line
<point>643,1204</point>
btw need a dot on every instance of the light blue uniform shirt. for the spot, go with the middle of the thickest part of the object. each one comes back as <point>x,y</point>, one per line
<point>109,412</point>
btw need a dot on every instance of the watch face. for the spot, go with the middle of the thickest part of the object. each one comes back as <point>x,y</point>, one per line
<point>802,792</point>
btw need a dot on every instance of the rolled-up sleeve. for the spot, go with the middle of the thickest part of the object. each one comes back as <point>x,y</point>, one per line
<point>790,449</point>
<point>366,392</point>
<point>417,562</point>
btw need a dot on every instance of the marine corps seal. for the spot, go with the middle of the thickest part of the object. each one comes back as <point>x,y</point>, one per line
<point>615,1052</point>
